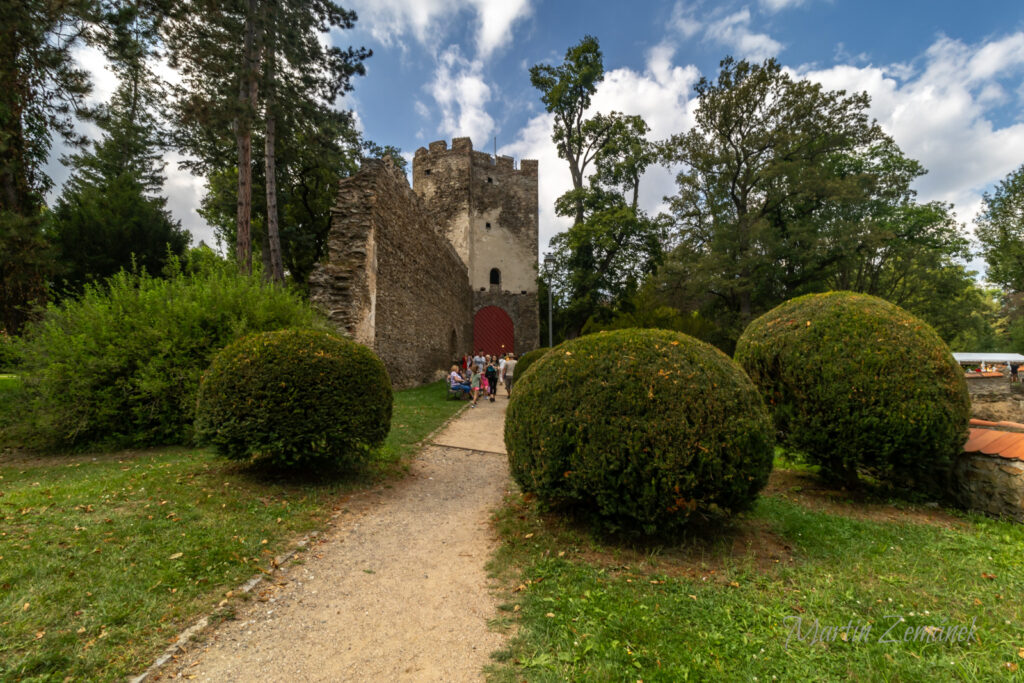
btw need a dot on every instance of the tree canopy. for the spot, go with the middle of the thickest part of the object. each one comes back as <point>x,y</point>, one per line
<point>787,188</point>
<point>1001,232</point>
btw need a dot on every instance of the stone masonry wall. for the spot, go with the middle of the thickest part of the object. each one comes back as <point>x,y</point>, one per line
<point>488,210</point>
<point>991,484</point>
<point>390,280</point>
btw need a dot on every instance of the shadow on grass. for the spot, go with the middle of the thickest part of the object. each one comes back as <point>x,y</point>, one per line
<point>702,551</point>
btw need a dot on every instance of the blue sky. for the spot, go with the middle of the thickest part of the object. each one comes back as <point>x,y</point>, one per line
<point>946,77</point>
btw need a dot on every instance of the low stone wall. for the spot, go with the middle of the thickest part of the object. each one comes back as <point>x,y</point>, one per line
<point>991,484</point>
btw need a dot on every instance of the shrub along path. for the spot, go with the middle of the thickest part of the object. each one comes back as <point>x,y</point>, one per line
<point>396,590</point>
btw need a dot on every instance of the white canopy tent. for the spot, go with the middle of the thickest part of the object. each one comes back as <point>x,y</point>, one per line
<point>988,358</point>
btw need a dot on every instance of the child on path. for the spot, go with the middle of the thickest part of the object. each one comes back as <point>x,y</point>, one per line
<point>474,384</point>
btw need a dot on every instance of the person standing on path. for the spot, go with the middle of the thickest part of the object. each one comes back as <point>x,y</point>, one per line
<point>509,374</point>
<point>491,373</point>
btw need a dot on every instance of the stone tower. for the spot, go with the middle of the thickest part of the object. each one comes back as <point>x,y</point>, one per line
<point>487,209</point>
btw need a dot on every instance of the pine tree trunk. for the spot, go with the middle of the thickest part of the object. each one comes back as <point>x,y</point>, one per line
<point>247,105</point>
<point>273,233</point>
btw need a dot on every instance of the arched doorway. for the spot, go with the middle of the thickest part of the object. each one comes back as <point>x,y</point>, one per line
<point>493,331</point>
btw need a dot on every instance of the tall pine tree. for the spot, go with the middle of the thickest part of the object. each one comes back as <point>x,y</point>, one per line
<point>41,90</point>
<point>111,213</point>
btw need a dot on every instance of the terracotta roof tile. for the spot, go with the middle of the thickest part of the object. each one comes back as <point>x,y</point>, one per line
<point>978,438</point>
<point>1005,441</point>
<point>1014,452</point>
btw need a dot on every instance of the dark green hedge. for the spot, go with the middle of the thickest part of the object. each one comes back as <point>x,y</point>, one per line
<point>119,366</point>
<point>640,431</point>
<point>528,359</point>
<point>295,398</point>
<point>855,382</point>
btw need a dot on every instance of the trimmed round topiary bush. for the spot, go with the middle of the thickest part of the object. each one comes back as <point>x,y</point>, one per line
<point>640,431</point>
<point>854,382</point>
<point>528,359</point>
<point>295,398</point>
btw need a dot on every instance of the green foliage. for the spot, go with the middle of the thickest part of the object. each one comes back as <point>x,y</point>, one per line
<point>311,142</point>
<point>301,399</point>
<point>110,213</point>
<point>639,430</point>
<point>41,86</point>
<point>100,229</point>
<point>26,262</point>
<point>788,188</point>
<point>1001,232</point>
<point>857,383</point>
<point>10,353</point>
<point>646,309</point>
<point>528,359</point>
<point>121,365</point>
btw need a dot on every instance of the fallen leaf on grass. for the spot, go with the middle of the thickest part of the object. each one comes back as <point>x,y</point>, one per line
<point>550,615</point>
<point>40,634</point>
<point>175,556</point>
<point>528,536</point>
<point>988,576</point>
<point>1011,666</point>
<point>24,608</point>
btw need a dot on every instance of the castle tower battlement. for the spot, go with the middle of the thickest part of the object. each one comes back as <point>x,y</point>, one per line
<point>487,208</point>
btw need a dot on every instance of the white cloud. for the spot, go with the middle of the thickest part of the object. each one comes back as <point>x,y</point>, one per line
<point>734,32</point>
<point>497,17</point>
<point>462,95</point>
<point>428,20</point>
<point>684,21</point>
<point>940,113</point>
<point>184,193</point>
<point>779,5</point>
<point>660,94</point>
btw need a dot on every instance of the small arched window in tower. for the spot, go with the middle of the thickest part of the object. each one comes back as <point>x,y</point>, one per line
<point>495,276</point>
<point>488,226</point>
<point>426,172</point>
<point>490,179</point>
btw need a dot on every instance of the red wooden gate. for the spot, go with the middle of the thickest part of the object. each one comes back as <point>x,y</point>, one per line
<point>493,331</point>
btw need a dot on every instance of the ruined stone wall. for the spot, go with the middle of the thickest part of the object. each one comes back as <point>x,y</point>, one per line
<point>503,222</point>
<point>488,210</point>
<point>441,177</point>
<point>390,280</point>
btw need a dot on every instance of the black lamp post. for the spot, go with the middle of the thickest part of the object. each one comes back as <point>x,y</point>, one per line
<point>549,263</point>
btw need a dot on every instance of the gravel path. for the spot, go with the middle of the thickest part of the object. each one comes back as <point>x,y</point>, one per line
<point>395,591</point>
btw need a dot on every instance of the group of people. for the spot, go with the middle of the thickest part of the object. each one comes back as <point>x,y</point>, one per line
<point>480,375</point>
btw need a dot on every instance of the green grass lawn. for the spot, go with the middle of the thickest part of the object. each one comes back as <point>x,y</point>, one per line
<point>729,609</point>
<point>105,557</point>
